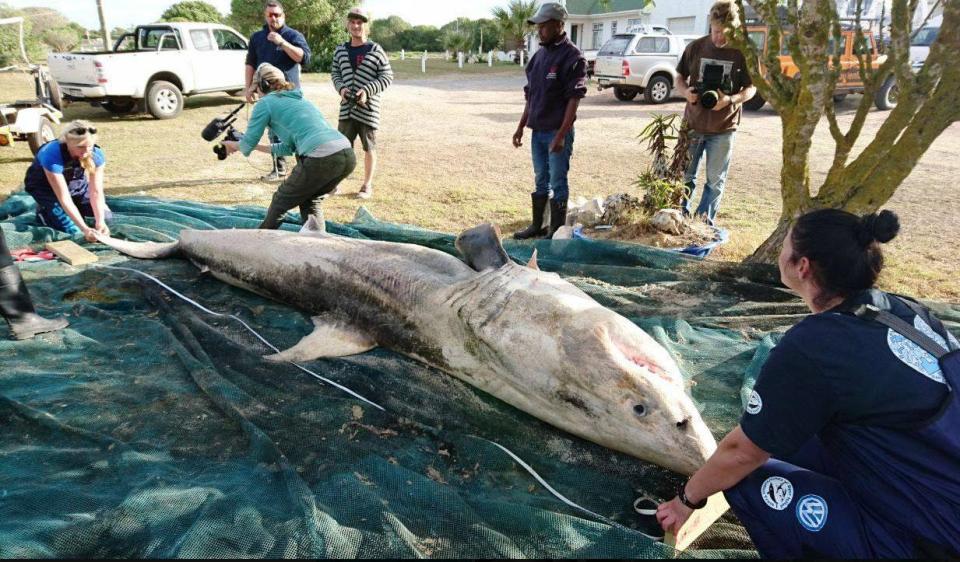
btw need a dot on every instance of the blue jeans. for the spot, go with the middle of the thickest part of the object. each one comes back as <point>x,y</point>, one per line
<point>550,168</point>
<point>719,148</point>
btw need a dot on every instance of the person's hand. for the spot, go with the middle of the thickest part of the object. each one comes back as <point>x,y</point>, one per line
<point>89,234</point>
<point>362,98</point>
<point>672,515</point>
<point>558,143</point>
<point>692,97</point>
<point>231,146</point>
<point>276,38</point>
<point>102,228</point>
<point>518,138</point>
<point>723,102</point>
<point>343,94</point>
<point>251,94</point>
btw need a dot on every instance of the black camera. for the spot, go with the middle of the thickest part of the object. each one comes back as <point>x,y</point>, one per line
<point>218,127</point>
<point>713,84</point>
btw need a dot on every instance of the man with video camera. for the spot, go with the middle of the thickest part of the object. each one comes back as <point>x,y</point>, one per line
<point>714,80</point>
<point>324,156</point>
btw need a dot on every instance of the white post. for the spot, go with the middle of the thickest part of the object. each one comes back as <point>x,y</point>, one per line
<point>446,55</point>
<point>403,54</point>
<point>490,59</point>
<point>521,58</point>
<point>423,63</point>
<point>460,60</point>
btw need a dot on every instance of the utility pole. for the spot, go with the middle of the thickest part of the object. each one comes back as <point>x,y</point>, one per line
<point>103,26</point>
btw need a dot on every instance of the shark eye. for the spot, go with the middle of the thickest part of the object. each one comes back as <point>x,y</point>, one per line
<point>683,423</point>
<point>640,410</point>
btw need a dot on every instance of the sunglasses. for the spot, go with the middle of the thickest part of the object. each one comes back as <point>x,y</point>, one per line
<point>274,15</point>
<point>83,131</point>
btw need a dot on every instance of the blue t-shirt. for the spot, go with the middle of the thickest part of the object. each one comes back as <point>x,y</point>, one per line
<point>357,54</point>
<point>54,157</point>
<point>260,51</point>
<point>835,368</point>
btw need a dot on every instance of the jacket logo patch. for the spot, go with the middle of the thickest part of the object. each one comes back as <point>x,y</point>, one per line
<point>812,513</point>
<point>552,74</point>
<point>777,493</point>
<point>755,404</point>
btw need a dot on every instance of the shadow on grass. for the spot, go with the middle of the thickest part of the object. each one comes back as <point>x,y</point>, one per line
<point>81,110</point>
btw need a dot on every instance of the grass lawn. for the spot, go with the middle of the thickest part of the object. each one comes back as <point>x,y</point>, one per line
<point>446,163</point>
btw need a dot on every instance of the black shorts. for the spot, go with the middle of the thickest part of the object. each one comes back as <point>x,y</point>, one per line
<point>351,129</point>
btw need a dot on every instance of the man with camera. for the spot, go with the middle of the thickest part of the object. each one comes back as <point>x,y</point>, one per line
<point>714,80</point>
<point>361,72</point>
<point>283,47</point>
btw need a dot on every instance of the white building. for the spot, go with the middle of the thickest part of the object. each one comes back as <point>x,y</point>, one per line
<point>590,25</point>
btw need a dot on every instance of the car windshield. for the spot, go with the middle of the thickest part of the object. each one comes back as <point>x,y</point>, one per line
<point>616,46</point>
<point>925,37</point>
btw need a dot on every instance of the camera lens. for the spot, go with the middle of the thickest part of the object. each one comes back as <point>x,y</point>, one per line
<point>710,99</point>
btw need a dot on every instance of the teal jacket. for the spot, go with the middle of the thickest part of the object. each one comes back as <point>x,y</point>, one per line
<point>299,124</point>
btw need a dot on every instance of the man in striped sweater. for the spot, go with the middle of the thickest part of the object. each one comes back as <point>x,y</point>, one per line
<point>361,71</point>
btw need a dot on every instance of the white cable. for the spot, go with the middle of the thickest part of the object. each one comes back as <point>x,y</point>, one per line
<point>516,459</point>
<point>563,498</point>
<point>251,330</point>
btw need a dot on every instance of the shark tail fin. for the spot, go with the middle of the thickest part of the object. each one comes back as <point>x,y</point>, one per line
<point>142,250</point>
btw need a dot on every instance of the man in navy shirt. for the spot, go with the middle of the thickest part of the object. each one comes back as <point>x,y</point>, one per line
<point>283,47</point>
<point>556,82</point>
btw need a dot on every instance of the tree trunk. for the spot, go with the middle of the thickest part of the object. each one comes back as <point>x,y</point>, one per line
<point>769,251</point>
<point>103,26</point>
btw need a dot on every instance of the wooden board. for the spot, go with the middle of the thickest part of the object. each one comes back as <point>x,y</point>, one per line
<point>70,252</point>
<point>699,522</point>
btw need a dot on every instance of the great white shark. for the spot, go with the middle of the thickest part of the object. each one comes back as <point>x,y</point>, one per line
<point>525,336</point>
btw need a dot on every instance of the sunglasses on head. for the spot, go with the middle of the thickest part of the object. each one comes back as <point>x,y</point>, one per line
<point>83,131</point>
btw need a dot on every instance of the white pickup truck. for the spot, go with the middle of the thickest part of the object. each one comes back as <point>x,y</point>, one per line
<point>634,63</point>
<point>154,67</point>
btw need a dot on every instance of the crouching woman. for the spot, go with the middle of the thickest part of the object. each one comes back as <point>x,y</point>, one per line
<point>324,156</point>
<point>66,181</point>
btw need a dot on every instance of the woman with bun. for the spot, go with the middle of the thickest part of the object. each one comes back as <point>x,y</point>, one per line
<point>850,443</point>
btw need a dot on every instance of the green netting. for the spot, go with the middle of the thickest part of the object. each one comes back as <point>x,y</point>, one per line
<point>152,429</point>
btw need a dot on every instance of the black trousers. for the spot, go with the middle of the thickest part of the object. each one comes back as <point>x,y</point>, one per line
<point>5,258</point>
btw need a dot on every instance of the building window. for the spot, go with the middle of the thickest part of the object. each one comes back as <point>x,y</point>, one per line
<point>613,28</point>
<point>634,25</point>
<point>597,34</point>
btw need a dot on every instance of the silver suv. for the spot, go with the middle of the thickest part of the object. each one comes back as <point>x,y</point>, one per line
<point>632,63</point>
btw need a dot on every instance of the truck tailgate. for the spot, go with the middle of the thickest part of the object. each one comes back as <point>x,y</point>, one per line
<point>609,66</point>
<point>73,68</point>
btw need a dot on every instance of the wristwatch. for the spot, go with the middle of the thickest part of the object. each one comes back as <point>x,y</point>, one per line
<point>682,496</point>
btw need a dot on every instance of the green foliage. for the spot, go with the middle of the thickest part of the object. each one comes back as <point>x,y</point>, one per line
<point>192,10</point>
<point>662,181</point>
<point>322,22</point>
<point>10,39</point>
<point>660,193</point>
<point>512,22</point>
<point>389,32</point>
<point>422,38</point>
<point>457,42</point>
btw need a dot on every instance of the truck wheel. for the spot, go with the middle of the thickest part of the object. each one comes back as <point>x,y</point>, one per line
<point>164,100</point>
<point>625,94</point>
<point>41,137</point>
<point>657,90</point>
<point>120,106</point>
<point>887,95</point>
<point>838,98</point>
<point>56,97</point>
<point>754,103</point>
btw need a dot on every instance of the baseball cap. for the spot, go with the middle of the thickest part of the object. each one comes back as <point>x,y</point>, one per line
<point>358,13</point>
<point>547,12</point>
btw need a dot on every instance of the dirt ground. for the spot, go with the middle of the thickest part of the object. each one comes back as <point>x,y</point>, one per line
<point>446,163</point>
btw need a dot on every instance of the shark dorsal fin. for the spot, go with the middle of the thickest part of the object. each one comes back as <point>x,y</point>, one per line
<point>532,264</point>
<point>481,247</point>
<point>313,226</point>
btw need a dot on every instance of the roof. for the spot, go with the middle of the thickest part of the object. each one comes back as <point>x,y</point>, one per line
<point>594,7</point>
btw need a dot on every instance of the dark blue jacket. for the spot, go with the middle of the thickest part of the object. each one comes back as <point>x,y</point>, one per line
<point>555,74</point>
<point>261,51</point>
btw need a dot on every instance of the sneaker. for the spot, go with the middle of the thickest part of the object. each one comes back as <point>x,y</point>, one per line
<point>366,192</point>
<point>273,176</point>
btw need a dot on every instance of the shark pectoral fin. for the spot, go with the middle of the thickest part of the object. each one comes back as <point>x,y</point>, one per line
<point>326,340</point>
<point>532,264</point>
